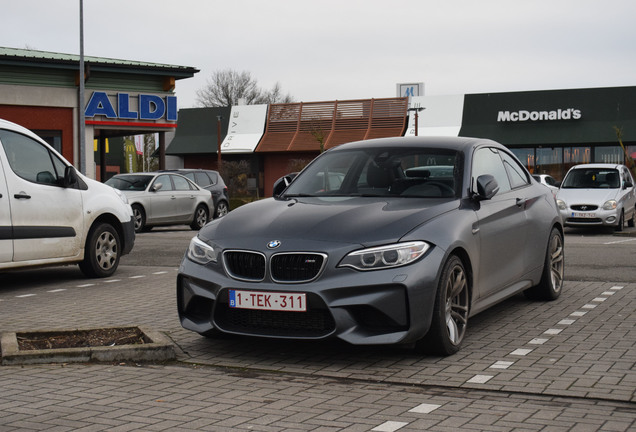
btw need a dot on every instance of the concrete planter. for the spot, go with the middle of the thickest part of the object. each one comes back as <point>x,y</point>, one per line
<point>155,348</point>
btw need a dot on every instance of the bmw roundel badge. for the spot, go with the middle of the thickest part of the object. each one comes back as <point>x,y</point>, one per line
<point>273,244</point>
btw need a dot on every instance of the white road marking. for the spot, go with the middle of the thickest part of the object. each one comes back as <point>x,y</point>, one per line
<point>389,426</point>
<point>501,364</point>
<point>620,241</point>
<point>480,379</point>
<point>521,352</point>
<point>424,408</point>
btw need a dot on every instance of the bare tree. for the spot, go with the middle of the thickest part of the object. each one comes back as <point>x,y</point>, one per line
<point>226,87</point>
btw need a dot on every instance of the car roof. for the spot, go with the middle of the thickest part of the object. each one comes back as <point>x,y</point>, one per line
<point>455,143</point>
<point>597,165</point>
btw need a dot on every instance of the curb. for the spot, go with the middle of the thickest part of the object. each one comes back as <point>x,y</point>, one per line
<point>158,349</point>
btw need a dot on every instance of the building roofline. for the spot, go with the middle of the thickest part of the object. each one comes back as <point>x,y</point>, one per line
<point>71,61</point>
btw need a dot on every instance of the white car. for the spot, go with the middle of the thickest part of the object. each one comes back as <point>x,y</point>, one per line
<point>51,214</point>
<point>597,195</point>
<point>548,181</point>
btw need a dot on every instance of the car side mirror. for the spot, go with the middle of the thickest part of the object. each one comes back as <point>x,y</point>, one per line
<point>487,187</point>
<point>281,184</point>
<point>155,187</point>
<point>627,184</point>
<point>71,179</point>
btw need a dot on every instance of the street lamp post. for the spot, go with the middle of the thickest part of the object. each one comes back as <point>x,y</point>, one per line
<point>416,110</point>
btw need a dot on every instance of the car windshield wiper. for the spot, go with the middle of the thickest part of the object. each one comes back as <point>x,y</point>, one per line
<point>298,195</point>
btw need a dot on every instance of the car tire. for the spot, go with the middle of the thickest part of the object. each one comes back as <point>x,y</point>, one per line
<point>630,222</point>
<point>621,222</point>
<point>551,284</point>
<point>102,251</point>
<point>201,216</point>
<point>139,216</point>
<point>221,209</point>
<point>450,311</point>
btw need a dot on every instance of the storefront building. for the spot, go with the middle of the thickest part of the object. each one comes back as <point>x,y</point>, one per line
<point>550,131</point>
<point>39,90</point>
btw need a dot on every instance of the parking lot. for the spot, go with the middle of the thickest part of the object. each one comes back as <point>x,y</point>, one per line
<point>566,365</point>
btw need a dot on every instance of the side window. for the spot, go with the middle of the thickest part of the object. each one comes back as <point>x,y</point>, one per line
<point>487,161</point>
<point>181,184</point>
<point>201,179</point>
<point>166,184</point>
<point>516,173</point>
<point>213,177</point>
<point>31,160</point>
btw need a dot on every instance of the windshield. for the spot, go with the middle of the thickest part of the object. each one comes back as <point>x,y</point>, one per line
<point>592,178</point>
<point>407,172</point>
<point>130,183</point>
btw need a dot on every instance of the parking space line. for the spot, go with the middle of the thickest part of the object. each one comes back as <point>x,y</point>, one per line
<point>480,379</point>
<point>57,290</point>
<point>389,426</point>
<point>26,295</point>
<point>425,408</point>
<point>619,241</point>
<point>85,285</point>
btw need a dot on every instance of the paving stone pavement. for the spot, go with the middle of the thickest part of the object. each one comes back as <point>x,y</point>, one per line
<point>567,365</point>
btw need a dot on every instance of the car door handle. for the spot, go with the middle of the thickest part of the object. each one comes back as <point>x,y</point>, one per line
<point>521,202</point>
<point>22,195</point>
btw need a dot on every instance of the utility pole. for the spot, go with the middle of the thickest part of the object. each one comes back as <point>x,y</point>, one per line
<point>80,106</point>
<point>218,142</point>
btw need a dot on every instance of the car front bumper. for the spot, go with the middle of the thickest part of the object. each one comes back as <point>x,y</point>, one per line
<point>597,217</point>
<point>363,308</point>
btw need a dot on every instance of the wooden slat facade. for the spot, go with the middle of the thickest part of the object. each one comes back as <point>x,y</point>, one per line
<point>298,126</point>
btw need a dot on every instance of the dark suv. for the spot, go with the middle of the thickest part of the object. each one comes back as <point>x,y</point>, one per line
<point>212,181</point>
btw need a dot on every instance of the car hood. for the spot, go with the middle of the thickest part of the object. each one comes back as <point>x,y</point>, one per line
<point>587,196</point>
<point>359,220</point>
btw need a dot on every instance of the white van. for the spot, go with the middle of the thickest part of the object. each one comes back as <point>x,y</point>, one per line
<point>50,214</point>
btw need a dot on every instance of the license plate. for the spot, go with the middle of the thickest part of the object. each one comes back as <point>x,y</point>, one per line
<point>275,301</point>
<point>584,215</point>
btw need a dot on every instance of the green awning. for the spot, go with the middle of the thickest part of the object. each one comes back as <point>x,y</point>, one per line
<point>197,131</point>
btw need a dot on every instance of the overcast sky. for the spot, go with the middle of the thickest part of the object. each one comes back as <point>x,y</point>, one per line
<point>324,50</point>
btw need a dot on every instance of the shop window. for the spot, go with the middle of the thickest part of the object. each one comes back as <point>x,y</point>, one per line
<point>525,156</point>
<point>549,161</point>
<point>52,138</point>
<point>575,156</point>
<point>613,155</point>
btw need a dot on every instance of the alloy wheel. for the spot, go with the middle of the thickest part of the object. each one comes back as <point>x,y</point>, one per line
<point>456,304</point>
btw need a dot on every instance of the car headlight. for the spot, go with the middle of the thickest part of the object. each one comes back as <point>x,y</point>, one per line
<point>201,252</point>
<point>383,257</point>
<point>609,205</point>
<point>121,195</point>
<point>561,204</point>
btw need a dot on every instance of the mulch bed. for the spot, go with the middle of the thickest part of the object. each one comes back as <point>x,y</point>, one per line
<point>81,338</point>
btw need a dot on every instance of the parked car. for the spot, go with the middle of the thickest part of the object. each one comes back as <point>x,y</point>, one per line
<point>548,181</point>
<point>210,180</point>
<point>389,255</point>
<point>51,215</point>
<point>594,195</point>
<point>164,199</point>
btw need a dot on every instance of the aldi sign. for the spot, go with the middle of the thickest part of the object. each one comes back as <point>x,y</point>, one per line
<point>127,107</point>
